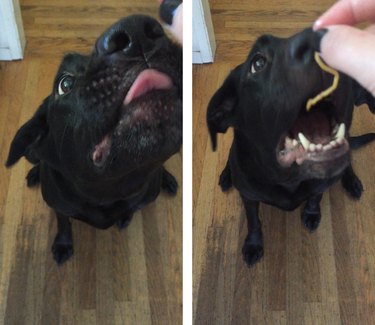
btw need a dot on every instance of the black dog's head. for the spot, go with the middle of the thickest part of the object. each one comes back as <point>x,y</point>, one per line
<point>114,111</point>
<point>264,100</point>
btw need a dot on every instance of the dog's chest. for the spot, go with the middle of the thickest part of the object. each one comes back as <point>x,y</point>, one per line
<point>284,196</point>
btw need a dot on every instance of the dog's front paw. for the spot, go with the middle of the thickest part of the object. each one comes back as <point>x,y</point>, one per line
<point>252,249</point>
<point>252,252</point>
<point>33,177</point>
<point>62,250</point>
<point>311,219</point>
<point>124,222</point>
<point>225,180</point>
<point>169,183</point>
<point>353,185</point>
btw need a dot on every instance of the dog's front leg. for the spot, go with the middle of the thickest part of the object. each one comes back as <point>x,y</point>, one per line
<point>124,221</point>
<point>33,176</point>
<point>225,181</point>
<point>311,213</point>
<point>169,183</point>
<point>252,249</point>
<point>62,247</point>
<point>351,183</point>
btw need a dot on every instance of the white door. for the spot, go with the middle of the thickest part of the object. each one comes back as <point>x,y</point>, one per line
<point>12,38</point>
<point>204,45</point>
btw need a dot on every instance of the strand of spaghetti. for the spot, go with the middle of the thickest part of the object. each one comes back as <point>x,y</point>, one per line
<point>312,101</point>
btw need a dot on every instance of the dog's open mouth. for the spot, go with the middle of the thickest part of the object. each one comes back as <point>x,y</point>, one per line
<point>147,104</point>
<point>316,136</point>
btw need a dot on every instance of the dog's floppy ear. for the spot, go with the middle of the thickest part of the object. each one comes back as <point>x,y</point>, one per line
<point>30,132</point>
<point>220,110</point>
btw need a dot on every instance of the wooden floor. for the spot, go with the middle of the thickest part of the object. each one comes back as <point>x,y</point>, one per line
<point>128,277</point>
<point>324,278</point>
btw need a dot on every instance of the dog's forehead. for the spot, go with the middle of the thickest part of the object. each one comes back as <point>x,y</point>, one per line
<point>264,43</point>
<point>73,63</point>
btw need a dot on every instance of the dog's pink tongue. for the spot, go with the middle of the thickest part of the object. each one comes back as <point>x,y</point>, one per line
<point>146,81</point>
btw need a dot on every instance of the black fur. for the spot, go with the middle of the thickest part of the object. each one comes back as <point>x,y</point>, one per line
<point>98,158</point>
<point>264,99</point>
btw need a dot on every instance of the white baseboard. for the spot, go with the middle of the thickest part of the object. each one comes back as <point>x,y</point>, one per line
<point>5,54</point>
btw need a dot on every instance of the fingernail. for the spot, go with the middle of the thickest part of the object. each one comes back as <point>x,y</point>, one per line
<point>317,38</point>
<point>317,25</point>
<point>167,10</point>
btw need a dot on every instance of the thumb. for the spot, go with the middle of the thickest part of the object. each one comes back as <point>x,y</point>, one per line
<point>176,27</point>
<point>171,12</point>
<point>351,51</point>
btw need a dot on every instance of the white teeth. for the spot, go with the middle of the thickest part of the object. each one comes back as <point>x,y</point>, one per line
<point>288,140</point>
<point>341,131</point>
<point>338,134</point>
<point>304,141</point>
<point>335,128</point>
<point>299,161</point>
<point>334,143</point>
<point>327,147</point>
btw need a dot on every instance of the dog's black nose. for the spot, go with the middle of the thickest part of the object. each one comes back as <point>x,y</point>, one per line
<point>301,48</point>
<point>134,35</point>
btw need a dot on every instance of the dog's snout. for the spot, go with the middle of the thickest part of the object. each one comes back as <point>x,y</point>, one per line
<point>117,41</point>
<point>134,36</point>
<point>301,49</point>
<point>152,30</point>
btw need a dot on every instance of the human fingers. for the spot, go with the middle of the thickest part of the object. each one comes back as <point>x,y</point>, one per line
<point>351,51</point>
<point>171,12</point>
<point>347,12</point>
<point>370,29</point>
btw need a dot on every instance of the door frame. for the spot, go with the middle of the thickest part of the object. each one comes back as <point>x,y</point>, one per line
<point>11,29</point>
<point>203,33</point>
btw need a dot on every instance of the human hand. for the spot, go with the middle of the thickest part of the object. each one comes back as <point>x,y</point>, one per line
<point>171,12</point>
<point>346,48</point>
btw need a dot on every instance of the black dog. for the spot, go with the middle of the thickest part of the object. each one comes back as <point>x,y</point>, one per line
<point>281,154</point>
<point>99,140</point>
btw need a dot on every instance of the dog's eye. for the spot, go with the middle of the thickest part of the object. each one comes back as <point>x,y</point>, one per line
<point>65,85</point>
<point>258,63</point>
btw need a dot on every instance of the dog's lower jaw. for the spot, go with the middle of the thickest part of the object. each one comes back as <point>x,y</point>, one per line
<point>102,151</point>
<point>324,170</point>
<point>317,164</point>
<point>149,126</point>
<point>299,150</point>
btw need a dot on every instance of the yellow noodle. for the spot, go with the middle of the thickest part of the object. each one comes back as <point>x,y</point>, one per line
<point>312,101</point>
